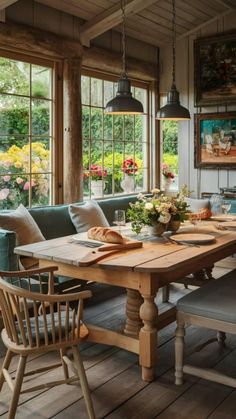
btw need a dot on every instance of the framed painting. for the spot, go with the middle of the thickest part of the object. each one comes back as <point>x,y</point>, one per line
<point>215,70</point>
<point>215,140</point>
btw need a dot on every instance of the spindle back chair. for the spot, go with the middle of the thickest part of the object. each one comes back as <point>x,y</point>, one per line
<point>36,322</point>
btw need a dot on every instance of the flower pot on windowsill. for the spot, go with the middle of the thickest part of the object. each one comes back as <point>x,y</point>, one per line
<point>128,183</point>
<point>97,188</point>
<point>167,182</point>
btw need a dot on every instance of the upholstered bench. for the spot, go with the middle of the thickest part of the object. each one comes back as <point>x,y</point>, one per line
<point>212,306</point>
<point>53,221</point>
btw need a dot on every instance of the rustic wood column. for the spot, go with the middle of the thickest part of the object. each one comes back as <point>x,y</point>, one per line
<point>73,170</point>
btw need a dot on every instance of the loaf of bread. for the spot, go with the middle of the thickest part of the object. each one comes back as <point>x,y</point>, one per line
<point>105,234</point>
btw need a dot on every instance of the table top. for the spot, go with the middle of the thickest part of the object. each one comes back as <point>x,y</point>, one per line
<point>156,255</point>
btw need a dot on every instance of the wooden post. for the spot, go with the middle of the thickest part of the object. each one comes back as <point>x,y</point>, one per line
<point>73,171</point>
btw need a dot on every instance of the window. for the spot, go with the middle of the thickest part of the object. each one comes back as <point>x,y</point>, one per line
<point>112,143</point>
<point>26,137</point>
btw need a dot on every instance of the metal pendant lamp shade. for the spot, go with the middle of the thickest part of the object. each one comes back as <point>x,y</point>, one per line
<point>173,109</point>
<point>124,103</point>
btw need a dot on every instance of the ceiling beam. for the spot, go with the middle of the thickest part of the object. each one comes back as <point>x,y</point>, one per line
<point>228,3</point>
<point>207,22</point>
<point>110,18</point>
<point>6,3</point>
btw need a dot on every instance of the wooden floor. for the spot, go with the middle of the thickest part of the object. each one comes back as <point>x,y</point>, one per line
<point>114,375</point>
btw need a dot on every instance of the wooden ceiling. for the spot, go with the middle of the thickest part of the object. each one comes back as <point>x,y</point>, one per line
<point>147,20</point>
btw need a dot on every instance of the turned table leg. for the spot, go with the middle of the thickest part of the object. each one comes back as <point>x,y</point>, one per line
<point>148,337</point>
<point>133,321</point>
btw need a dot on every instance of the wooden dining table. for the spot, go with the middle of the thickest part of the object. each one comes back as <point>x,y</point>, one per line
<point>142,272</point>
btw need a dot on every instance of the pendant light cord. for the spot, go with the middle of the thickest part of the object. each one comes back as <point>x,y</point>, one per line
<point>173,41</point>
<point>124,70</point>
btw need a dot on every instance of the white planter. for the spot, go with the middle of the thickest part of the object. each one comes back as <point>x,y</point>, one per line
<point>128,183</point>
<point>167,182</point>
<point>97,188</point>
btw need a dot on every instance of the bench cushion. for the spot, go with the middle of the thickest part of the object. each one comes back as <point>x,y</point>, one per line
<point>87,215</point>
<point>216,300</point>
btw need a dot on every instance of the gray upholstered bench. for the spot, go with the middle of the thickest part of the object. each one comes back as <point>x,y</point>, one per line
<point>212,306</point>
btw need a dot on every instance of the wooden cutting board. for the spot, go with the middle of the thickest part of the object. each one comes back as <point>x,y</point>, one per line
<point>108,249</point>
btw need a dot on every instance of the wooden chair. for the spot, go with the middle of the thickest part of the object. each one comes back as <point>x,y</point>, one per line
<point>213,307</point>
<point>38,323</point>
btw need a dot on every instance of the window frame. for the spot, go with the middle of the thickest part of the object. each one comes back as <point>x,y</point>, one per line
<point>149,86</point>
<point>56,192</point>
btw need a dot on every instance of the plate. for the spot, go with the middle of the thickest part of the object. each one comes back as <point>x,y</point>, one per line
<point>229,225</point>
<point>193,238</point>
<point>224,217</point>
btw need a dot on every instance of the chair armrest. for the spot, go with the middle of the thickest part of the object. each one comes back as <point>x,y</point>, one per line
<point>8,259</point>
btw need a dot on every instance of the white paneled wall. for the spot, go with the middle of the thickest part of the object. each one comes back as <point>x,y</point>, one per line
<point>198,180</point>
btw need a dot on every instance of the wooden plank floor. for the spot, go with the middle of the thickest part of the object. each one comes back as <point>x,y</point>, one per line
<point>114,375</point>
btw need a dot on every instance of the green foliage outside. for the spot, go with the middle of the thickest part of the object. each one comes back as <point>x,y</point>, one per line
<point>108,141</point>
<point>170,145</point>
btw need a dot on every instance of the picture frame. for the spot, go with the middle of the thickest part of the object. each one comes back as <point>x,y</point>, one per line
<point>214,70</point>
<point>215,140</point>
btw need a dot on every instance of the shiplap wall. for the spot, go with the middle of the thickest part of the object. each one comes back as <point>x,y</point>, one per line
<point>38,15</point>
<point>198,180</point>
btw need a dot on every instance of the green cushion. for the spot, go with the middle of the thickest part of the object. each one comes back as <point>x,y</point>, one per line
<point>110,205</point>
<point>216,300</point>
<point>54,221</point>
<point>8,259</point>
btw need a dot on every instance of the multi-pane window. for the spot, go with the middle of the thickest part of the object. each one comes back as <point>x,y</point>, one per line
<point>25,133</point>
<point>115,147</point>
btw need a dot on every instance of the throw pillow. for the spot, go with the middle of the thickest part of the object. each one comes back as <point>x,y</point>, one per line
<point>87,215</point>
<point>27,231</point>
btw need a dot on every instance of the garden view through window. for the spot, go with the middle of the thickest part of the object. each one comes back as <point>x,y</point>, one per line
<point>170,169</point>
<point>25,134</point>
<point>115,147</point>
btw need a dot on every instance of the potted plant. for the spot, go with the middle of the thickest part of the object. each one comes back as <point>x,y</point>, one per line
<point>97,174</point>
<point>129,167</point>
<point>168,176</point>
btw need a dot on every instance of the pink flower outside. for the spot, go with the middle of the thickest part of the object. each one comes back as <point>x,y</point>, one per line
<point>6,178</point>
<point>4,193</point>
<point>27,185</point>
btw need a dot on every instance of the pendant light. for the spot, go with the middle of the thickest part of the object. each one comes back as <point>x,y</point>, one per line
<point>173,110</point>
<point>124,103</point>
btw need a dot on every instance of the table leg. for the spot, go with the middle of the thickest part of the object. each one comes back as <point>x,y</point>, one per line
<point>148,337</point>
<point>133,321</point>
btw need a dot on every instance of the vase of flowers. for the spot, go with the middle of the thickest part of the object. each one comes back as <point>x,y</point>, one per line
<point>159,212</point>
<point>97,174</point>
<point>168,177</point>
<point>152,211</point>
<point>179,210</point>
<point>129,168</point>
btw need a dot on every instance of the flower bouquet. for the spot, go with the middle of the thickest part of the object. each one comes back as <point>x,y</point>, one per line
<point>97,172</point>
<point>129,167</point>
<point>166,172</point>
<point>157,210</point>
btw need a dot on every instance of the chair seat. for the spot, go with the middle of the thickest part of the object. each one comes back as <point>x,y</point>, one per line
<point>216,300</point>
<point>57,326</point>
